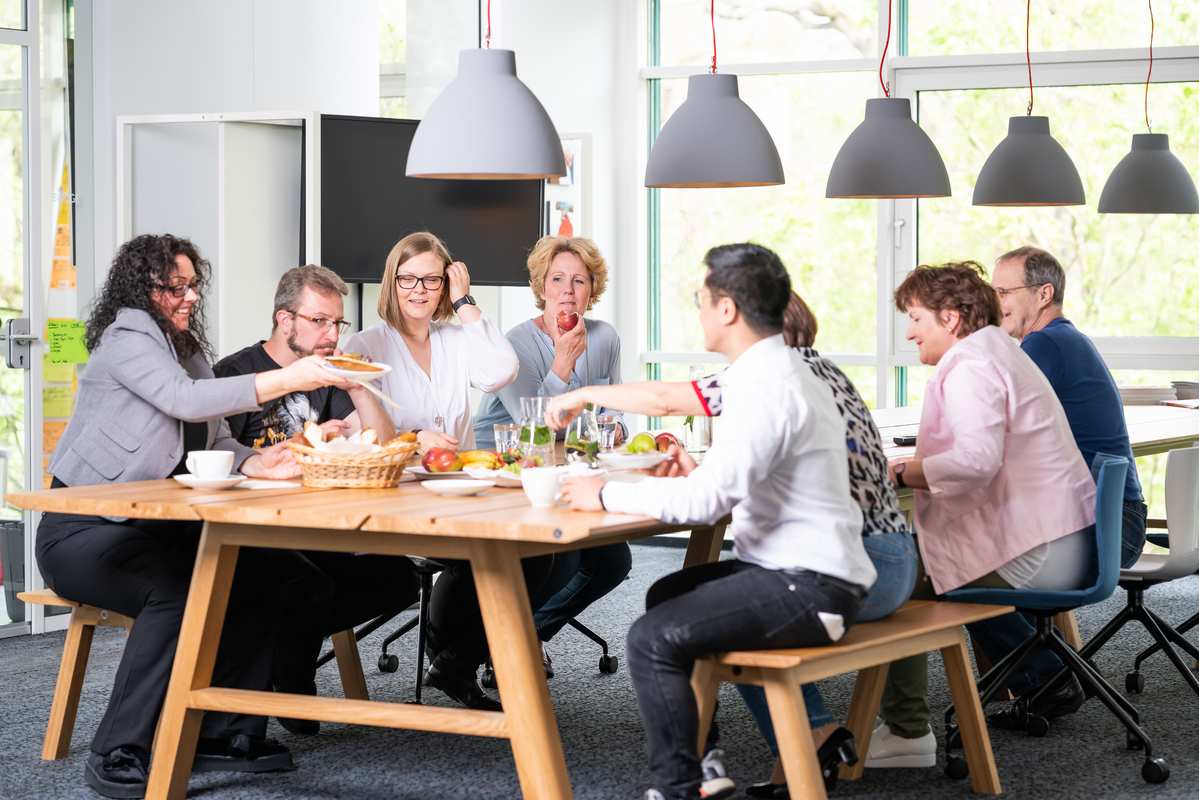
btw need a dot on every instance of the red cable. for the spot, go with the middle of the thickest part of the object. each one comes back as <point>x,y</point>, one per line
<point>886,44</point>
<point>1150,75</point>
<point>1028,52</point>
<point>713,13</point>
<point>487,41</point>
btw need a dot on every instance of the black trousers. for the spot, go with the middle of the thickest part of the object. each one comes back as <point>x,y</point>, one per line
<point>142,569</point>
<point>341,590</point>
<point>457,640</point>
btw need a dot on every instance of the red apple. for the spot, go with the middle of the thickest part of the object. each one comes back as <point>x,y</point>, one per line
<point>441,459</point>
<point>567,320</point>
<point>664,441</point>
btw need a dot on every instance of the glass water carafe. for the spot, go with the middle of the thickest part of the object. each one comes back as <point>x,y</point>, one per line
<point>536,438</point>
<point>583,438</point>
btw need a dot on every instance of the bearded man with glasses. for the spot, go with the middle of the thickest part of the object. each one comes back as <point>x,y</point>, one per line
<point>343,590</point>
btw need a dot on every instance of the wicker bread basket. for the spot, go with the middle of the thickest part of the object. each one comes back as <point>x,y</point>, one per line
<point>382,470</point>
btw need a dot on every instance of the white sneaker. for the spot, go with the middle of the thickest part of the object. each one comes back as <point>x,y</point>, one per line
<point>717,783</point>
<point>889,750</point>
<point>653,794</point>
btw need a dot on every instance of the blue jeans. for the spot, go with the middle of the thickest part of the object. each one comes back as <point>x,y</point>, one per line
<point>578,579</point>
<point>999,636</point>
<point>894,557</point>
<point>714,608</point>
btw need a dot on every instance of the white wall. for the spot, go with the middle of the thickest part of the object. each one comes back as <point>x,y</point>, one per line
<point>184,56</point>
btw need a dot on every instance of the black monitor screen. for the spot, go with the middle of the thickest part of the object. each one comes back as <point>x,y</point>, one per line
<point>368,204</point>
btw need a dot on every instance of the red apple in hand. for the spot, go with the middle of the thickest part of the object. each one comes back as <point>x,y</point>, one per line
<point>567,320</point>
<point>664,441</point>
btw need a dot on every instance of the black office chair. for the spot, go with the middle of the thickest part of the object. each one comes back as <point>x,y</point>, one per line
<point>608,664</point>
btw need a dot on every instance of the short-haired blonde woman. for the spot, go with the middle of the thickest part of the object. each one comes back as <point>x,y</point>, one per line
<point>434,362</point>
<point>567,276</point>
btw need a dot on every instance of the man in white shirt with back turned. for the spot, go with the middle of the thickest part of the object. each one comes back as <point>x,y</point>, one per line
<point>778,463</point>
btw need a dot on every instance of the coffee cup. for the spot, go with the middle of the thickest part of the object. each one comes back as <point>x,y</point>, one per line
<point>542,485</point>
<point>210,463</point>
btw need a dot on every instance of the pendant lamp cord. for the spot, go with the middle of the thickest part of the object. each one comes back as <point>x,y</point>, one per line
<point>487,40</point>
<point>881,61</point>
<point>712,12</point>
<point>1028,52</point>
<point>1150,75</point>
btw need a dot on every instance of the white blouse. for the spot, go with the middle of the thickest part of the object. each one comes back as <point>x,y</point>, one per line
<point>473,354</point>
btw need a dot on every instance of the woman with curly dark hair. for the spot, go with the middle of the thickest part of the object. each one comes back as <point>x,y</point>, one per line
<point>147,398</point>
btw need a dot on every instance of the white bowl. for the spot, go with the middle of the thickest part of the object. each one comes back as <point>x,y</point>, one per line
<point>619,460</point>
<point>196,482</point>
<point>457,488</point>
<point>502,477</point>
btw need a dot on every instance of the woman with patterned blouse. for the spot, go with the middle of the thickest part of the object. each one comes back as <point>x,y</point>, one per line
<point>887,539</point>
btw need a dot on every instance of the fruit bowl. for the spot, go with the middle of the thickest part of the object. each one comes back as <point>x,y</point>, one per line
<point>619,460</point>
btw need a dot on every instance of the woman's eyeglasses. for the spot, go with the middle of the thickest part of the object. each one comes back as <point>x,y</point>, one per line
<point>179,290</point>
<point>324,323</point>
<point>431,282</point>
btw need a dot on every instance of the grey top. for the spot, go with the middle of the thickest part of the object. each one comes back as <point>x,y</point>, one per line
<point>599,365</point>
<point>134,396</point>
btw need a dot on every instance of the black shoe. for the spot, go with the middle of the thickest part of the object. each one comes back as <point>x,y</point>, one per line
<point>837,749</point>
<point>119,773</point>
<point>464,689</point>
<point>1065,700</point>
<point>300,727</point>
<point>547,662</point>
<point>242,753</point>
<point>767,790</point>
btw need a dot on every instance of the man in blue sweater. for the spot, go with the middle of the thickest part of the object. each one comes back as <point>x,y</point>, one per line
<point>1031,286</point>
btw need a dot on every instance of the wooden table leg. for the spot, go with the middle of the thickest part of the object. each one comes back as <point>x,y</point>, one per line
<point>705,686</point>
<point>976,741</point>
<point>349,665</point>
<point>519,673</point>
<point>863,708</point>
<point>704,545</point>
<point>195,656</point>
<point>1066,622</point>
<point>797,750</point>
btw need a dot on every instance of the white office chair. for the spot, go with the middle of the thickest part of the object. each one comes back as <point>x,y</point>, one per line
<point>1182,517</point>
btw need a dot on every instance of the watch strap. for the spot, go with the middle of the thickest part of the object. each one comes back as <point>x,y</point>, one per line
<point>464,300</point>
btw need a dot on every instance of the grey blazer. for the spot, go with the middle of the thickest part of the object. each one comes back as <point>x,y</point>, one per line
<point>134,396</point>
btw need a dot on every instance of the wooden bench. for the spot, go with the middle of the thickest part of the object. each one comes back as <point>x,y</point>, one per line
<point>920,626</point>
<point>78,645</point>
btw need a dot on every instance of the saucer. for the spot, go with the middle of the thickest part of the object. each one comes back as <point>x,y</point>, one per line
<point>196,482</point>
<point>457,488</point>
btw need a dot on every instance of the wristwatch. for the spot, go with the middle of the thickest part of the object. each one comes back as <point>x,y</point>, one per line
<point>464,300</point>
<point>899,469</point>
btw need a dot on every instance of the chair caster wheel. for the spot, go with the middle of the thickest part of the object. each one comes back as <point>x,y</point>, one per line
<point>488,679</point>
<point>1037,726</point>
<point>608,664</point>
<point>1155,770</point>
<point>1132,742</point>
<point>956,768</point>
<point>1134,683</point>
<point>389,663</point>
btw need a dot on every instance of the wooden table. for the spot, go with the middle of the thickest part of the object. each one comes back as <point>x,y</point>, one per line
<point>494,531</point>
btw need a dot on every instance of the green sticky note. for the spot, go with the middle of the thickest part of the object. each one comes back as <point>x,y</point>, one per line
<point>65,338</point>
<point>57,401</point>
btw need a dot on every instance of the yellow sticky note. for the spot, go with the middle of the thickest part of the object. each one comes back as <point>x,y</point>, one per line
<point>65,338</point>
<point>57,373</point>
<point>57,401</point>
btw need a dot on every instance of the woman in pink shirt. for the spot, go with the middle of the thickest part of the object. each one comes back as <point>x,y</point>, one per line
<point>1002,495</point>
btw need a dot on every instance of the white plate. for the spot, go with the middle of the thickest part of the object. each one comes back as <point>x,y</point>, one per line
<point>423,474</point>
<point>360,375</point>
<point>264,483</point>
<point>457,488</point>
<point>502,477</point>
<point>196,482</point>
<point>618,460</point>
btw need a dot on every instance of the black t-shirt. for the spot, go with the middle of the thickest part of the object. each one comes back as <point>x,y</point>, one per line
<point>282,417</point>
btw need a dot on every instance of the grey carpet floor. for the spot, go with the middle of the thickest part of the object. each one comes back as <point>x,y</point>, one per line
<point>1082,757</point>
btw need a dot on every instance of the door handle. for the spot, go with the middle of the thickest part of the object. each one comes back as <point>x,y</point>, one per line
<point>17,338</point>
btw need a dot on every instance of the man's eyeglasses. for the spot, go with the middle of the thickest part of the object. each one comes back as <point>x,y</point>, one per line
<point>180,289</point>
<point>1005,292</point>
<point>431,282</point>
<point>324,323</point>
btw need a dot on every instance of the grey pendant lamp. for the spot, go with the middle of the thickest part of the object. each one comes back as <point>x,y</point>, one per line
<point>486,125</point>
<point>1150,179</point>
<point>888,155</point>
<point>714,139</point>
<point>1029,167</point>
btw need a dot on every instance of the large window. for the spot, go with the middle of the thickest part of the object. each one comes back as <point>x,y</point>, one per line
<point>807,69</point>
<point>419,41</point>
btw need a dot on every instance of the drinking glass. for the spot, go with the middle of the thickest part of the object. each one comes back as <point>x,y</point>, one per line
<point>535,437</point>
<point>607,424</point>
<point>507,436</point>
<point>583,438</point>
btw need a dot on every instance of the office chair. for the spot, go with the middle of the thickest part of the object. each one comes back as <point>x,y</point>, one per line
<point>1043,605</point>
